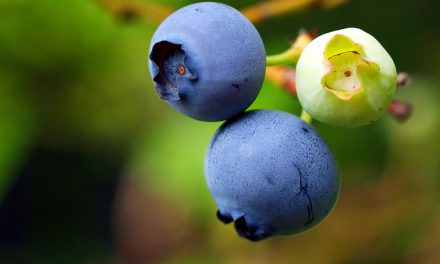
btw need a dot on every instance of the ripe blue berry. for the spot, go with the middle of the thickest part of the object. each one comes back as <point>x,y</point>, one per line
<point>207,61</point>
<point>270,173</point>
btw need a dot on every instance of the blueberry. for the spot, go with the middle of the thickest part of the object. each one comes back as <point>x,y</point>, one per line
<point>207,61</point>
<point>271,173</point>
<point>345,78</point>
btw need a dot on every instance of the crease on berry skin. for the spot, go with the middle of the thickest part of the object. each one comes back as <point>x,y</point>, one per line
<point>303,189</point>
<point>171,73</point>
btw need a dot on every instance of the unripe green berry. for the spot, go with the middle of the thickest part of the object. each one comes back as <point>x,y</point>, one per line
<point>345,78</point>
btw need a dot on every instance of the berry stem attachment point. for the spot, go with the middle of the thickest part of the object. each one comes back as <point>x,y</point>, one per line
<point>291,56</point>
<point>306,117</point>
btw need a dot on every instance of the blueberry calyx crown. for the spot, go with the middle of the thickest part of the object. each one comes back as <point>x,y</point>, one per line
<point>245,228</point>
<point>349,70</point>
<point>171,74</point>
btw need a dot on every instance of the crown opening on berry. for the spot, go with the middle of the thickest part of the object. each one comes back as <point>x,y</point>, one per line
<point>349,71</point>
<point>171,73</point>
<point>245,226</point>
<point>251,231</point>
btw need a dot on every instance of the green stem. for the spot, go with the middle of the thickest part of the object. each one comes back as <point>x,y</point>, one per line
<point>306,117</point>
<point>289,56</point>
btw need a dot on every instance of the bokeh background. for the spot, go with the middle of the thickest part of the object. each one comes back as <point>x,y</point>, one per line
<point>95,168</point>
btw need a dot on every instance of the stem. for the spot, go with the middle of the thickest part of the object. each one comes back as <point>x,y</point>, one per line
<point>155,12</point>
<point>287,57</point>
<point>264,10</point>
<point>255,13</point>
<point>306,117</point>
<point>290,56</point>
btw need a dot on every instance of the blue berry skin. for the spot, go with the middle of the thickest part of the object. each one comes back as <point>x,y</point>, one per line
<point>271,173</point>
<point>207,61</point>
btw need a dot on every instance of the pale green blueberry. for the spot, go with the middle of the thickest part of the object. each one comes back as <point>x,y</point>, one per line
<point>345,78</point>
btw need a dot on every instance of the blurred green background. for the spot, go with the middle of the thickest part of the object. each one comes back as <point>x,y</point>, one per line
<point>95,168</point>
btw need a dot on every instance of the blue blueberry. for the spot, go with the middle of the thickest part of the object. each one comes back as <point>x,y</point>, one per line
<point>271,173</point>
<point>207,61</point>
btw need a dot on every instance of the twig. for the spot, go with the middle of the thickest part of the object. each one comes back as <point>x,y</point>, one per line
<point>133,9</point>
<point>128,10</point>
<point>268,9</point>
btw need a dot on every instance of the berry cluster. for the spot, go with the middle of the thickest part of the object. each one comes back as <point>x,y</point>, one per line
<point>269,172</point>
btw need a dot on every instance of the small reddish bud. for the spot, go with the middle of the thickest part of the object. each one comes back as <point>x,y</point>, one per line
<point>400,110</point>
<point>403,78</point>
